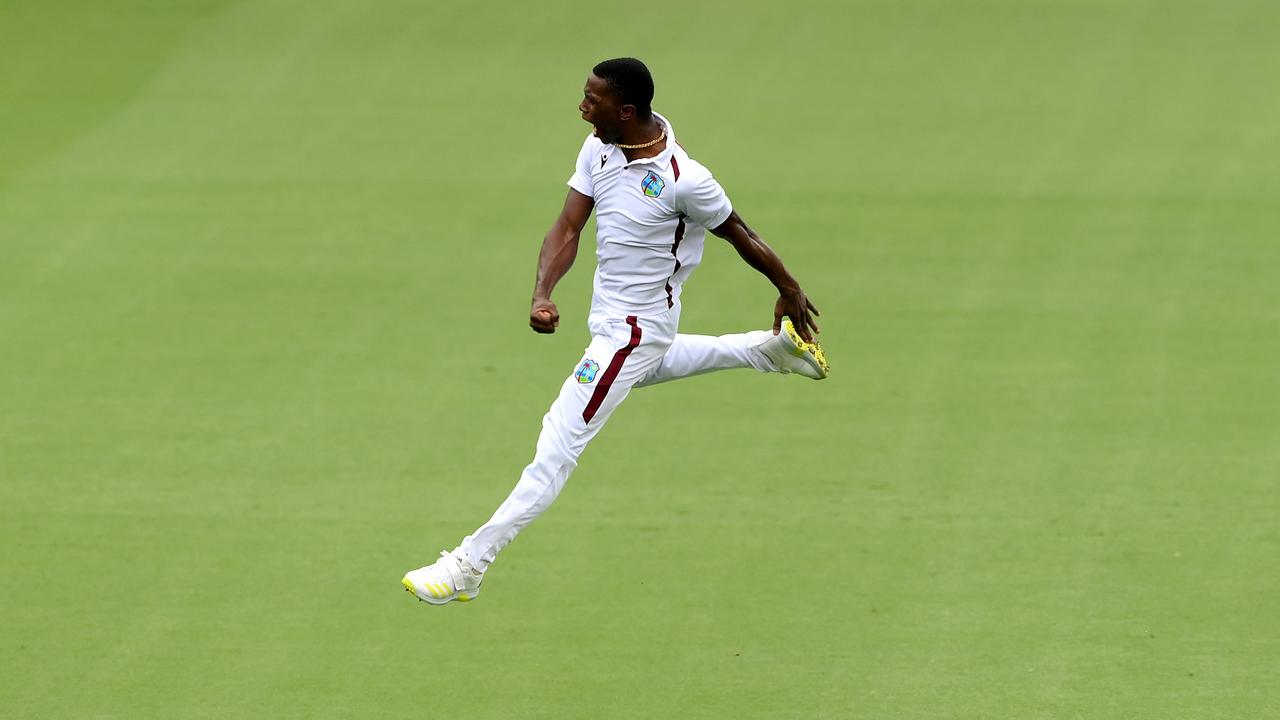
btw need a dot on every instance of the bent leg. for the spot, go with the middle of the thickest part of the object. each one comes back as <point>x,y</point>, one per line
<point>612,365</point>
<point>697,354</point>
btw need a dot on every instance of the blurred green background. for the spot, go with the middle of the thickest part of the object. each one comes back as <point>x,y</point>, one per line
<point>264,279</point>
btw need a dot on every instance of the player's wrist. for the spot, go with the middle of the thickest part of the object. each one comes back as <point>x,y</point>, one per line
<point>788,287</point>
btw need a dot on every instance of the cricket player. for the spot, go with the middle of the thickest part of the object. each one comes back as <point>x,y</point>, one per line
<point>653,203</point>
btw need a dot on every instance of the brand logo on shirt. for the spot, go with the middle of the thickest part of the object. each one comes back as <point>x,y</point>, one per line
<point>652,184</point>
<point>603,158</point>
<point>587,371</point>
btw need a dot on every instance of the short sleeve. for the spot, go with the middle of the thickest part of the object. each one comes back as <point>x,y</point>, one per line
<point>704,201</point>
<point>581,179</point>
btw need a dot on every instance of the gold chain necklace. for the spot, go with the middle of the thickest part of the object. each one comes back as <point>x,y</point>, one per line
<point>661,136</point>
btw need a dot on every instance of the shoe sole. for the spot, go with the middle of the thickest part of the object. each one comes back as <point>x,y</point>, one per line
<point>409,587</point>
<point>810,352</point>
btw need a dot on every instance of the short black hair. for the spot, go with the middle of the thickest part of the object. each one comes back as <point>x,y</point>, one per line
<point>630,79</point>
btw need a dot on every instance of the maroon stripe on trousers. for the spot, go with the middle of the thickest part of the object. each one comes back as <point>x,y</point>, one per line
<point>675,246</point>
<point>611,373</point>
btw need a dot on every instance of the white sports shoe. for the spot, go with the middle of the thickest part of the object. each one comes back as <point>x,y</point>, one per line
<point>789,353</point>
<point>449,578</point>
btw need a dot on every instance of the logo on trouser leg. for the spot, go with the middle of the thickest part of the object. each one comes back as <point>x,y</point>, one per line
<point>587,371</point>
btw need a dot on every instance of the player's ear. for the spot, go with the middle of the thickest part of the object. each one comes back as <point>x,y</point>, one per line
<point>626,112</point>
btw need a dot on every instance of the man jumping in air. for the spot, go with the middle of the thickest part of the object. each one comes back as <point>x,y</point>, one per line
<point>652,204</point>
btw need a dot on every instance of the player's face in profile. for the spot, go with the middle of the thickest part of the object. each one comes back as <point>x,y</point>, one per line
<point>600,108</point>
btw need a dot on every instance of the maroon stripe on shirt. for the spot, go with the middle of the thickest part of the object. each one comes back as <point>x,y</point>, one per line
<point>675,246</point>
<point>611,373</point>
<point>675,166</point>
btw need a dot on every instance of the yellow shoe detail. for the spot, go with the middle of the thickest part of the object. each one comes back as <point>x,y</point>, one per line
<point>408,584</point>
<point>802,347</point>
<point>464,598</point>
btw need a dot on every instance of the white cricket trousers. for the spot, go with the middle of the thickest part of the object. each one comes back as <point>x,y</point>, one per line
<point>625,352</point>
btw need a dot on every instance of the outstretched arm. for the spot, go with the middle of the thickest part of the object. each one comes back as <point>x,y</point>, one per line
<point>792,301</point>
<point>559,248</point>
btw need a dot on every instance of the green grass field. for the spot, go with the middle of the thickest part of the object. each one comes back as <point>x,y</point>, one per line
<point>264,279</point>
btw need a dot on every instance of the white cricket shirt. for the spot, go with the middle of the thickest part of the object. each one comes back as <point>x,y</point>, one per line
<point>651,215</point>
